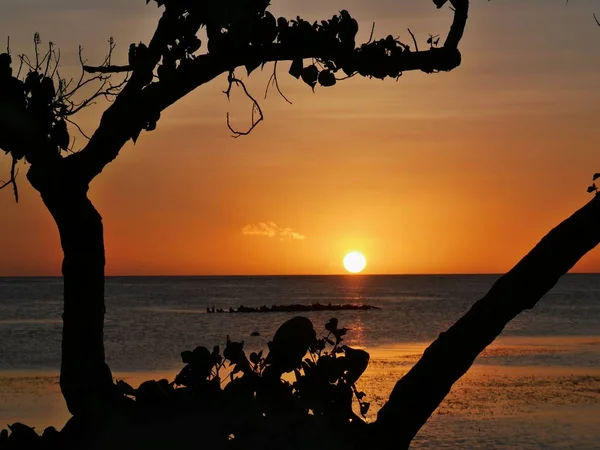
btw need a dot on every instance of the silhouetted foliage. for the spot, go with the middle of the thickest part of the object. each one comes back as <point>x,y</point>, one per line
<point>194,43</point>
<point>37,91</point>
<point>325,374</point>
<point>256,403</point>
<point>252,391</point>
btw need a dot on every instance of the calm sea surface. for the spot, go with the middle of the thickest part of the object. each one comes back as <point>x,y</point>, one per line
<point>537,387</point>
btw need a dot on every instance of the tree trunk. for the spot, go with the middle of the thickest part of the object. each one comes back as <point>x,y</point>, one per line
<point>418,394</point>
<point>85,379</point>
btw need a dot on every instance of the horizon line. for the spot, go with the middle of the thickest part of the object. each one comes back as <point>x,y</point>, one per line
<point>349,275</point>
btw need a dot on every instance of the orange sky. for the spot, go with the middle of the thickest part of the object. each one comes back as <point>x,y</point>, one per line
<point>452,173</point>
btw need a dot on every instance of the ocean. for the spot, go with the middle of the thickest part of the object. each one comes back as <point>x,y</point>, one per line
<point>537,386</point>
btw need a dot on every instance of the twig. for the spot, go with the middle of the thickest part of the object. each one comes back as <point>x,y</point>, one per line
<point>414,40</point>
<point>57,59</point>
<point>69,97</point>
<point>108,69</point>
<point>346,77</point>
<point>36,43</point>
<point>25,60</point>
<point>49,60</point>
<point>255,106</point>
<point>78,128</point>
<point>106,89</point>
<point>273,81</point>
<point>371,36</point>
<point>13,179</point>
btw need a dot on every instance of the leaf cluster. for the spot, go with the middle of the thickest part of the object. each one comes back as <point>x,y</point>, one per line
<point>26,438</point>
<point>39,96</point>
<point>43,101</point>
<point>253,390</point>
<point>237,26</point>
<point>301,391</point>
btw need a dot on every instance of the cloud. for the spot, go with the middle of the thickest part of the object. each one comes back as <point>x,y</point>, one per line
<point>271,230</point>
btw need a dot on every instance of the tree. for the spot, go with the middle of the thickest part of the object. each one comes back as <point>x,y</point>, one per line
<point>35,114</point>
<point>416,396</point>
<point>33,126</point>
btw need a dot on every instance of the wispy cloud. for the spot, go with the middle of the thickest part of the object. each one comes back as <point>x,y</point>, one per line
<point>271,230</point>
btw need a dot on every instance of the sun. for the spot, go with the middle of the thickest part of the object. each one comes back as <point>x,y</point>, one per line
<point>355,262</point>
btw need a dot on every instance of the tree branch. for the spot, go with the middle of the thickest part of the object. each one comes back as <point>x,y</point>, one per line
<point>273,81</point>
<point>116,127</point>
<point>461,13</point>
<point>416,396</point>
<point>107,69</point>
<point>139,106</point>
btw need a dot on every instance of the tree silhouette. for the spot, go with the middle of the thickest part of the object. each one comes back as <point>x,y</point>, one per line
<point>36,109</point>
<point>35,113</point>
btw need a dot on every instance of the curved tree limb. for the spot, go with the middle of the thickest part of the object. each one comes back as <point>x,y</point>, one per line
<point>417,395</point>
<point>461,12</point>
<point>121,121</point>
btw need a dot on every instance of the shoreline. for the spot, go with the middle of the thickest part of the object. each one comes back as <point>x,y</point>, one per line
<point>495,387</point>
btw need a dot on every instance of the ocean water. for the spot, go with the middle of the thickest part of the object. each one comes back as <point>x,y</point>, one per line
<point>538,386</point>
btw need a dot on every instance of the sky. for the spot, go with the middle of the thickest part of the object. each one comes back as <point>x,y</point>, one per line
<point>460,172</point>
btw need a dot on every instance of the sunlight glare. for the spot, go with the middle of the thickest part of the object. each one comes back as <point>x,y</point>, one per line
<point>355,262</point>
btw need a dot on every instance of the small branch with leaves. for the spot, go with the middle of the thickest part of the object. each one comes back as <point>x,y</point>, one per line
<point>42,104</point>
<point>593,188</point>
<point>105,87</point>
<point>172,65</point>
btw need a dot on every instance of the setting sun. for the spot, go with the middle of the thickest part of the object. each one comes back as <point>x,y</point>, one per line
<point>355,262</point>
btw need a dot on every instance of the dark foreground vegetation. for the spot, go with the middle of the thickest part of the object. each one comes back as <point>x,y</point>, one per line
<point>255,409</point>
<point>193,43</point>
<point>228,399</point>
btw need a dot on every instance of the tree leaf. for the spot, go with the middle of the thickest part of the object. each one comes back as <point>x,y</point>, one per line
<point>310,75</point>
<point>356,363</point>
<point>331,325</point>
<point>290,343</point>
<point>233,351</point>
<point>251,66</point>
<point>296,68</point>
<point>186,357</point>
<point>596,176</point>
<point>136,134</point>
<point>327,78</point>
